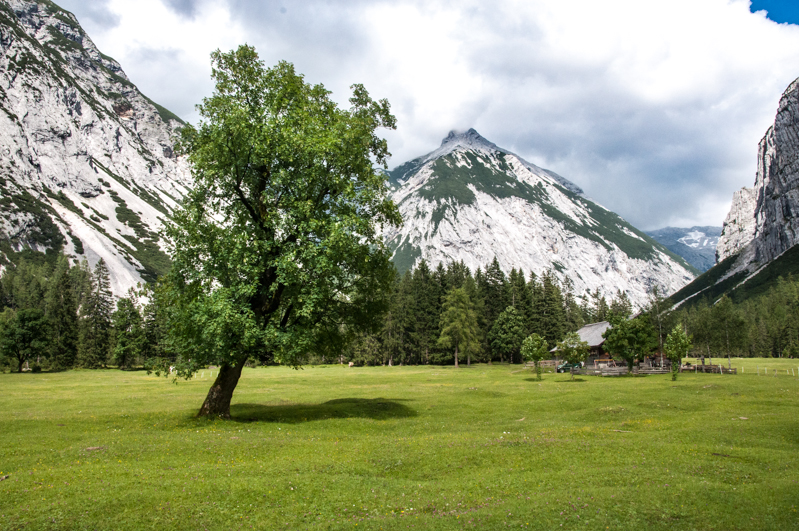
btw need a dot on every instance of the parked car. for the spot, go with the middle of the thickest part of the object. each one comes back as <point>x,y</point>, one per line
<point>566,366</point>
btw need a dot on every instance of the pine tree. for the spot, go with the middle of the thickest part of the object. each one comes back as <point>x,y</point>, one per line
<point>427,311</point>
<point>128,332</point>
<point>459,325</point>
<point>507,335</point>
<point>95,326</point>
<point>61,313</point>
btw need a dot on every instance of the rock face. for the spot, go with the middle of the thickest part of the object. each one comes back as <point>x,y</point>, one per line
<point>762,225</point>
<point>87,160</point>
<point>697,245</point>
<point>471,200</point>
<point>739,225</point>
<point>777,182</point>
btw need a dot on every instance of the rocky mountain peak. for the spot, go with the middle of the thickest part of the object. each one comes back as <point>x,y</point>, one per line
<point>471,200</point>
<point>469,139</point>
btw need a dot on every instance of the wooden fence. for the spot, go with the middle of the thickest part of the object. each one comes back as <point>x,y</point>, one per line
<point>717,369</point>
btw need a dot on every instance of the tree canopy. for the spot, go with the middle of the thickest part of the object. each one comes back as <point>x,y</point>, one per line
<point>630,339</point>
<point>535,349</point>
<point>277,249</point>
<point>459,325</point>
<point>676,347</point>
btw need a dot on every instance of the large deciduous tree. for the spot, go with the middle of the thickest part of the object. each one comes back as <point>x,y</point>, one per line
<point>278,248</point>
<point>630,339</point>
<point>507,335</point>
<point>23,335</point>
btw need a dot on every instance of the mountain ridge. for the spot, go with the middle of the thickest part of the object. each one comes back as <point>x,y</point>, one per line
<point>697,245</point>
<point>471,200</point>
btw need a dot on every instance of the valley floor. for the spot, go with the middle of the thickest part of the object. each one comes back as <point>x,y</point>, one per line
<point>486,447</point>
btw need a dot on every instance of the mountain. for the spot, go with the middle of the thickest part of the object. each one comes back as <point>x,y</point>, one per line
<point>88,165</point>
<point>696,245</point>
<point>758,240</point>
<point>471,200</point>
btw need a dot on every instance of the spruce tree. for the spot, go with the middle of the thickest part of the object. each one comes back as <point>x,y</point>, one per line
<point>459,325</point>
<point>61,313</point>
<point>95,325</point>
<point>621,305</point>
<point>154,324</point>
<point>550,310</point>
<point>427,311</point>
<point>128,332</point>
<point>398,320</point>
<point>495,293</point>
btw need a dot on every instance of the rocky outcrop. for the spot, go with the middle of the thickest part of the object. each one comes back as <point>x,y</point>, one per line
<point>471,200</point>
<point>697,245</point>
<point>739,225</point>
<point>762,225</point>
<point>777,182</point>
<point>87,160</point>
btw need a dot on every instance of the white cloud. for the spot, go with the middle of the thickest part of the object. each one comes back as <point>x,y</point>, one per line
<point>655,108</point>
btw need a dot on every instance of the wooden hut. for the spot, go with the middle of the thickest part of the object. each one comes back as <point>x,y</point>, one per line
<point>592,334</point>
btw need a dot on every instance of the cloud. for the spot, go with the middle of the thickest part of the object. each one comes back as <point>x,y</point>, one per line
<point>186,8</point>
<point>654,108</point>
<point>94,15</point>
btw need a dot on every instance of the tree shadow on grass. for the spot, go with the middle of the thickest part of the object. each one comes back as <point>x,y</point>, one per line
<point>342,408</point>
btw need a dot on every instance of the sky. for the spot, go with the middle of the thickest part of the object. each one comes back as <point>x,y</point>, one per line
<point>654,108</point>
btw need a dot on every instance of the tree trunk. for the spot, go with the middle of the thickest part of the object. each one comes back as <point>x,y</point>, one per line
<point>469,359</point>
<point>456,356</point>
<point>217,403</point>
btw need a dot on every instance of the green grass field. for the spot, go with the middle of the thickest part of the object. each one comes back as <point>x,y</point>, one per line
<point>486,447</point>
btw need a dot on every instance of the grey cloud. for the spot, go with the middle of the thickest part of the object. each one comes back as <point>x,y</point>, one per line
<point>185,8</point>
<point>94,14</point>
<point>167,78</point>
<point>655,163</point>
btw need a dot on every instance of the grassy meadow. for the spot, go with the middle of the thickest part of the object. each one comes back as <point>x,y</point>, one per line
<point>486,447</point>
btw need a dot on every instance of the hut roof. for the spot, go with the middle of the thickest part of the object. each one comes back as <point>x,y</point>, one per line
<point>592,333</point>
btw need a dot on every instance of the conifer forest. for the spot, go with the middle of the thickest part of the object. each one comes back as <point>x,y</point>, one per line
<point>58,314</point>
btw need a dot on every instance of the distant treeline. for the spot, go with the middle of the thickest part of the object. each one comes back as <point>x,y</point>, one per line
<point>506,309</point>
<point>763,326</point>
<point>56,315</point>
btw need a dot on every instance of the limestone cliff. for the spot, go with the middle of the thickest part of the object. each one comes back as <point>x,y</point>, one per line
<point>87,161</point>
<point>761,229</point>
